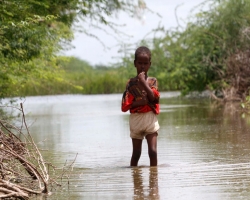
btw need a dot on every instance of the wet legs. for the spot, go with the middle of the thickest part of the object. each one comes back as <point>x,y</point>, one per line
<point>152,148</point>
<point>136,152</point>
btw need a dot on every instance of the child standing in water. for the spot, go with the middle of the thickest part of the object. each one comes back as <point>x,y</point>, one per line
<point>141,98</point>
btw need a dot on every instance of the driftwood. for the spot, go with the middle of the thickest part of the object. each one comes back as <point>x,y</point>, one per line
<point>23,170</point>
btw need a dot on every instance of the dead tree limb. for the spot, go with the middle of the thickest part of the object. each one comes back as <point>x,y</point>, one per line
<point>21,162</point>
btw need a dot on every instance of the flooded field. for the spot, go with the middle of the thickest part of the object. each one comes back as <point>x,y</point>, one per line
<point>203,149</point>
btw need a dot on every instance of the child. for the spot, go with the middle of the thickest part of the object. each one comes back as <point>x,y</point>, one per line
<point>142,99</point>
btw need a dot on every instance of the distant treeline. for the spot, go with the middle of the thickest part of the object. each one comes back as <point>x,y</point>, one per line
<point>76,76</point>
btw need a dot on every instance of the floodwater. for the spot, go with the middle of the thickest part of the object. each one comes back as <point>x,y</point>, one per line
<point>203,149</point>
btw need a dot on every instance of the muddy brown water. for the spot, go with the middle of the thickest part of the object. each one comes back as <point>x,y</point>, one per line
<point>203,149</point>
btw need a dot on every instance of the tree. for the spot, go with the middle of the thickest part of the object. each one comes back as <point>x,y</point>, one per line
<point>33,31</point>
<point>211,52</point>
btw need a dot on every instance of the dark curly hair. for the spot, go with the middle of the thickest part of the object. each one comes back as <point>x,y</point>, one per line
<point>142,49</point>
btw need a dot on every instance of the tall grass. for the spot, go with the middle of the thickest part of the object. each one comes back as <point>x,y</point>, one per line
<point>77,77</point>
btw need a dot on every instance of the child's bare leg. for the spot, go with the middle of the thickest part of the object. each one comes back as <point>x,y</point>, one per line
<point>136,152</point>
<point>152,148</point>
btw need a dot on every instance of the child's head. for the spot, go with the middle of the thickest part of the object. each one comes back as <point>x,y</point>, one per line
<point>142,60</point>
<point>141,50</point>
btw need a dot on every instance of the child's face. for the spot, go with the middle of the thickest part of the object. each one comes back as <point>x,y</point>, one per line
<point>142,63</point>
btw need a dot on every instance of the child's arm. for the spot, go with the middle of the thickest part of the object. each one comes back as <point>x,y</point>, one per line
<point>150,93</point>
<point>128,101</point>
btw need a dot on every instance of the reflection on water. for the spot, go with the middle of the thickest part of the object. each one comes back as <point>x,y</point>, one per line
<point>203,149</point>
<point>140,190</point>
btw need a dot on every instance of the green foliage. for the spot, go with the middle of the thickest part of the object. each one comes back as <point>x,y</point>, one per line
<point>197,57</point>
<point>204,54</point>
<point>207,44</point>
<point>76,77</point>
<point>74,65</point>
<point>32,32</point>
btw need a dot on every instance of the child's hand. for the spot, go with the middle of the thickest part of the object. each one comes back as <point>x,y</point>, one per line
<point>141,77</point>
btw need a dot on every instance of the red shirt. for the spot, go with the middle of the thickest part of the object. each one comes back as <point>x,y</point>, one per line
<point>128,97</point>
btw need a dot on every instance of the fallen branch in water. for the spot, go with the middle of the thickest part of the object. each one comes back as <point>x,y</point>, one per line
<point>23,170</point>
